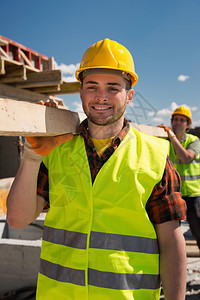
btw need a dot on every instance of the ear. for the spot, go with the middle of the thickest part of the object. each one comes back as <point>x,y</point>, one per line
<point>129,96</point>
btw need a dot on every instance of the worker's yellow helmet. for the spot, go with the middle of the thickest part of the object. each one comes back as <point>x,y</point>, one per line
<point>107,54</point>
<point>183,110</point>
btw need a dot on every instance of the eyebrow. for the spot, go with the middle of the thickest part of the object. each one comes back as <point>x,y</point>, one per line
<point>108,83</point>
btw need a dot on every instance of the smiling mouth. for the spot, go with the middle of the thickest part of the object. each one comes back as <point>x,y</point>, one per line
<point>101,108</point>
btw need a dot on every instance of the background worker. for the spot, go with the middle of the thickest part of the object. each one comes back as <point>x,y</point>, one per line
<point>185,154</point>
<point>113,225</point>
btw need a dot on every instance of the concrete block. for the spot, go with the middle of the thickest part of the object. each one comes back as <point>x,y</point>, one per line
<point>19,255</point>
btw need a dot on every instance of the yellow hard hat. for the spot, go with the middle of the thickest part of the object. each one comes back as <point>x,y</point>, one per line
<point>107,54</point>
<point>183,110</point>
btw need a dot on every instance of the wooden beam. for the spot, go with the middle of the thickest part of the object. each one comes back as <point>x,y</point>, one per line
<point>2,67</point>
<point>155,131</point>
<point>51,63</point>
<point>25,58</point>
<point>13,93</point>
<point>48,90</point>
<point>3,42</point>
<point>42,79</point>
<point>13,65</point>
<point>60,89</point>
<point>68,88</point>
<point>2,52</point>
<point>14,74</point>
<point>28,119</point>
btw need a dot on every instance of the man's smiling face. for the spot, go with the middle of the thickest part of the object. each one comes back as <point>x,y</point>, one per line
<point>104,98</point>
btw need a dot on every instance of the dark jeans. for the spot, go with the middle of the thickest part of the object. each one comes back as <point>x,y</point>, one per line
<point>193,216</point>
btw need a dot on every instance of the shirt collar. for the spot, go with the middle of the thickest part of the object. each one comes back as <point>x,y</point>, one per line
<point>83,131</point>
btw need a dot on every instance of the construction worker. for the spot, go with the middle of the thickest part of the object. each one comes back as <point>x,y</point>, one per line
<point>112,229</point>
<point>185,154</point>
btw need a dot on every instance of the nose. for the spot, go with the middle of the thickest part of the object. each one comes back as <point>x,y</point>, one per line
<point>102,95</point>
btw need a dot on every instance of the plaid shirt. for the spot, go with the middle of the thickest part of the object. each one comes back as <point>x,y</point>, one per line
<point>165,203</point>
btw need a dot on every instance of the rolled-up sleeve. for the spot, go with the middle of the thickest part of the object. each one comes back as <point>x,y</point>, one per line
<point>165,203</point>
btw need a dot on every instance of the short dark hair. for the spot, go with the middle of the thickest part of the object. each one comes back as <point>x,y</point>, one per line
<point>128,84</point>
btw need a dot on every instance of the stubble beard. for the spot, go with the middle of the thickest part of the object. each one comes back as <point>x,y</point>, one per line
<point>107,121</point>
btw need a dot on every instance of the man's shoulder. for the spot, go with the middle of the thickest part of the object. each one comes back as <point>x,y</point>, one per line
<point>192,137</point>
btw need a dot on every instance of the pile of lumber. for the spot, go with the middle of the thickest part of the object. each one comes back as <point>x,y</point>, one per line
<point>47,82</point>
<point>18,68</point>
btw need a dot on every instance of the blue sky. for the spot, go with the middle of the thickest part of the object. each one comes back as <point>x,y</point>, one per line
<point>163,37</point>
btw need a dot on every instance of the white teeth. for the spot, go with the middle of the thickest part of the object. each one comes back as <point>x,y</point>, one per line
<point>101,108</point>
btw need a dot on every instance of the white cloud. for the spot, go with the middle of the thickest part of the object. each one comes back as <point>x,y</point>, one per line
<point>183,77</point>
<point>78,107</point>
<point>151,114</point>
<point>69,78</point>
<point>194,108</point>
<point>157,120</point>
<point>164,112</point>
<point>173,106</point>
<point>68,71</point>
<point>196,123</point>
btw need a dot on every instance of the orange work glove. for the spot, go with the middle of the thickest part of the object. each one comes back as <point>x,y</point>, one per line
<point>166,128</point>
<point>170,133</point>
<point>36,147</point>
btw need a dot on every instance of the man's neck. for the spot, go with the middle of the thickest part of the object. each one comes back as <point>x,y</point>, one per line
<point>105,132</point>
<point>180,135</point>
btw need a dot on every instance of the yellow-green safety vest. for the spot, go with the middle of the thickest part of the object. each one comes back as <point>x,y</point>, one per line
<point>98,241</point>
<point>189,172</point>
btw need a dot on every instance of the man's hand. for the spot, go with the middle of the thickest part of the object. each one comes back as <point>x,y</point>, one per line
<point>166,128</point>
<point>44,145</point>
<point>170,133</point>
<point>36,147</point>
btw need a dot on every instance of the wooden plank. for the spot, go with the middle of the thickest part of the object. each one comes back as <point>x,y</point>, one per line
<point>42,79</point>
<point>3,42</point>
<point>25,58</point>
<point>23,118</point>
<point>192,250</point>
<point>48,90</point>
<point>51,63</point>
<point>155,131</point>
<point>69,88</point>
<point>2,52</point>
<point>10,92</point>
<point>12,64</point>
<point>2,67</point>
<point>14,74</point>
<point>28,119</point>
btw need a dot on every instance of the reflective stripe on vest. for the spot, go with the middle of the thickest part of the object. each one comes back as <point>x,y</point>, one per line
<point>100,240</point>
<point>101,233</point>
<point>98,278</point>
<point>123,281</point>
<point>65,237</point>
<point>62,274</point>
<point>190,177</point>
